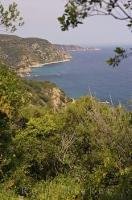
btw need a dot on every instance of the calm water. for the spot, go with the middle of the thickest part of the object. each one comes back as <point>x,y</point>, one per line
<point>88,71</point>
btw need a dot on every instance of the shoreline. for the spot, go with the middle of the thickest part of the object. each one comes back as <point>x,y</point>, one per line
<point>28,71</point>
<point>84,50</point>
<point>49,63</point>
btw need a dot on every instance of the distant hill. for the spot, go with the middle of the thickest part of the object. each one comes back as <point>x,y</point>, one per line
<point>75,48</point>
<point>22,53</point>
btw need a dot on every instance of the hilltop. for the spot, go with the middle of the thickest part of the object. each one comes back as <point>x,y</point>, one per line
<point>22,53</point>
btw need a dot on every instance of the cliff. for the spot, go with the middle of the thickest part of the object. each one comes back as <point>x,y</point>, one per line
<point>46,93</point>
<point>22,53</point>
<point>16,92</point>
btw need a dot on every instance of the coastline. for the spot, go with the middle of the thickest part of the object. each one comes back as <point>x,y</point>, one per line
<point>23,73</point>
<point>84,50</point>
<point>49,63</point>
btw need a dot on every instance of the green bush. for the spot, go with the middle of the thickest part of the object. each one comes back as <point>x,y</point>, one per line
<point>82,151</point>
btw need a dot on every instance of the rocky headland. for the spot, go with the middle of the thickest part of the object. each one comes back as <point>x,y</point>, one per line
<point>21,54</point>
<point>70,48</point>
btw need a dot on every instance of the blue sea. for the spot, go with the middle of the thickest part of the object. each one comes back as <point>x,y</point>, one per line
<point>88,73</point>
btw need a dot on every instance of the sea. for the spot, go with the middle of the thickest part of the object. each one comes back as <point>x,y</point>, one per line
<point>87,73</point>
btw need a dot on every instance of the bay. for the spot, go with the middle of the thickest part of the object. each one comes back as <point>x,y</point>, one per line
<point>88,73</point>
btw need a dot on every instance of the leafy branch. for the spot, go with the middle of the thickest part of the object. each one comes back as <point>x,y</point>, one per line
<point>77,10</point>
<point>10,17</point>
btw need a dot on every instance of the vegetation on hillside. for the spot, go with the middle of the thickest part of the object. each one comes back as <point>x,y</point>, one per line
<point>54,149</point>
<point>80,151</point>
<point>22,53</point>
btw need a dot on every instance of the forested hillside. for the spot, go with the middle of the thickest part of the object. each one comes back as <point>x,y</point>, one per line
<point>23,53</point>
<point>61,150</point>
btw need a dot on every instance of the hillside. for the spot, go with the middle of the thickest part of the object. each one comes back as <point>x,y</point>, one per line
<point>16,92</point>
<point>54,149</point>
<point>22,53</point>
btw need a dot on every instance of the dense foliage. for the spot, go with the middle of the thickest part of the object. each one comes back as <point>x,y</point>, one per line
<point>81,151</point>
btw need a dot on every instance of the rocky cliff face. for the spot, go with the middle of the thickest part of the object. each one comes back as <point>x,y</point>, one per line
<point>16,92</point>
<point>58,98</point>
<point>22,53</point>
<point>47,93</point>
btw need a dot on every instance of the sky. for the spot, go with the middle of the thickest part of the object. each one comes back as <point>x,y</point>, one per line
<point>40,18</point>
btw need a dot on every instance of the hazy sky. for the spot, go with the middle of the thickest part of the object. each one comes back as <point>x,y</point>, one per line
<point>41,21</point>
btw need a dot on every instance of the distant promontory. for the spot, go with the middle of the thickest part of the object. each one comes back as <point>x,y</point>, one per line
<point>22,54</point>
<point>70,48</point>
